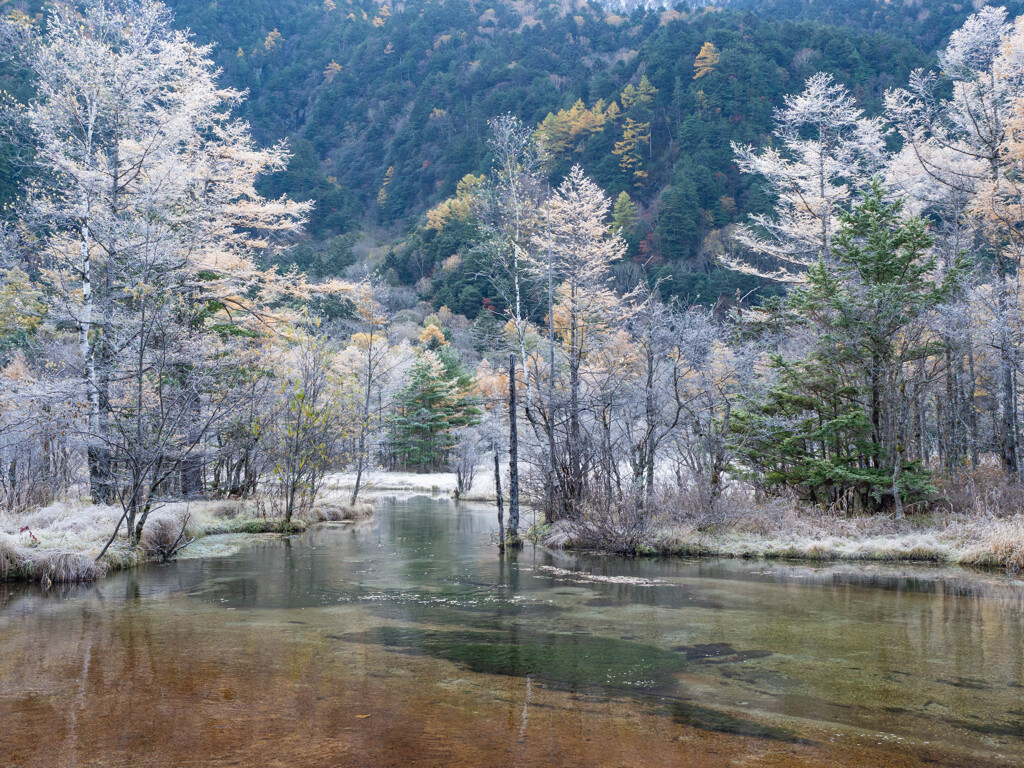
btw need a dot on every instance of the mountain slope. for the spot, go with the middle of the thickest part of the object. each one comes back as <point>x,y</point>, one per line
<point>386,106</point>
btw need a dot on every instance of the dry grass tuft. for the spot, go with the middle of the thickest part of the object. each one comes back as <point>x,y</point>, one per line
<point>558,536</point>
<point>990,542</point>
<point>11,558</point>
<point>163,532</point>
<point>58,566</point>
<point>68,567</point>
<point>986,490</point>
<point>329,512</point>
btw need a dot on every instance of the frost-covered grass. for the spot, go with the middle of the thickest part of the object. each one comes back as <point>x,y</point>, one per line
<point>376,482</point>
<point>786,531</point>
<point>60,542</point>
<point>775,530</point>
<point>335,505</point>
<point>63,539</point>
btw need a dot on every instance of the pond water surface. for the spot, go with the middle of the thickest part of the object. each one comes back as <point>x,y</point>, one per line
<point>407,640</point>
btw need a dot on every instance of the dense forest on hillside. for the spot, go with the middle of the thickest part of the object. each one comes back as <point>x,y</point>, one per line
<point>396,99</point>
<point>409,92</point>
<point>386,109</point>
<point>927,24</point>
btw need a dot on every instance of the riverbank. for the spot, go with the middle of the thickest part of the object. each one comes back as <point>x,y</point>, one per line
<point>779,530</point>
<point>375,483</point>
<point>60,543</point>
<point>788,532</point>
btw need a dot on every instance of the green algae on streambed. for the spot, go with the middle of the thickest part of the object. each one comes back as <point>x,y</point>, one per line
<point>579,663</point>
<point>410,641</point>
<point>576,662</point>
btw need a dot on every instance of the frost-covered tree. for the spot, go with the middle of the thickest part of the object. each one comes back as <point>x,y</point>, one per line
<point>371,361</point>
<point>826,151</point>
<point>148,220</point>
<point>959,160</point>
<point>654,410</point>
<point>316,417</point>
<point>582,252</point>
<point>510,212</point>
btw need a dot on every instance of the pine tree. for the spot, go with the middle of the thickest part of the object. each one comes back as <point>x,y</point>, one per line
<point>833,424</point>
<point>430,407</point>
<point>624,214</point>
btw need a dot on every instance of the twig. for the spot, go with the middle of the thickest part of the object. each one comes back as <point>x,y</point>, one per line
<point>174,548</point>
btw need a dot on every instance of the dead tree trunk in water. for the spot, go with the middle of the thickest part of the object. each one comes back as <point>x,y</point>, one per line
<point>513,457</point>
<point>501,504</point>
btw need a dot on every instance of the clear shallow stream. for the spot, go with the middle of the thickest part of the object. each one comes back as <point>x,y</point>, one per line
<point>407,640</point>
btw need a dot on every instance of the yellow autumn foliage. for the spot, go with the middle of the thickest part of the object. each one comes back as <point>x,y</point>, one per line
<point>490,384</point>
<point>21,306</point>
<point>432,337</point>
<point>272,40</point>
<point>331,70</point>
<point>706,61</point>
<point>561,131</point>
<point>459,207</point>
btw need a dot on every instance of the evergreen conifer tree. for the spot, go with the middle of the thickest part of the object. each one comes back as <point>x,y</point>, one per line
<point>833,424</point>
<point>430,407</point>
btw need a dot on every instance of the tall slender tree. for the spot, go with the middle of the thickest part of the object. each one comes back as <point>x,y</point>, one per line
<point>509,209</point>
<point>827,150</point>
<point>961,142</point>
<point>144,202</point>
<point>373,353</point>
<point>582,251</point>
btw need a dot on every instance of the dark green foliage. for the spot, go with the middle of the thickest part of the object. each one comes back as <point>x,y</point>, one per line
<point>832,425</point>
<point>811,432</point>
<point>415,93</point>
<point>679,221</point>
<point>927,24</point>
<point>303,179</point>
<point>320,258</point>
<point>430,407</point>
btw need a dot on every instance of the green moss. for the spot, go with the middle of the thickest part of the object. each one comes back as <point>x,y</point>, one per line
<point>256,525</point>
<point>561,660</point>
